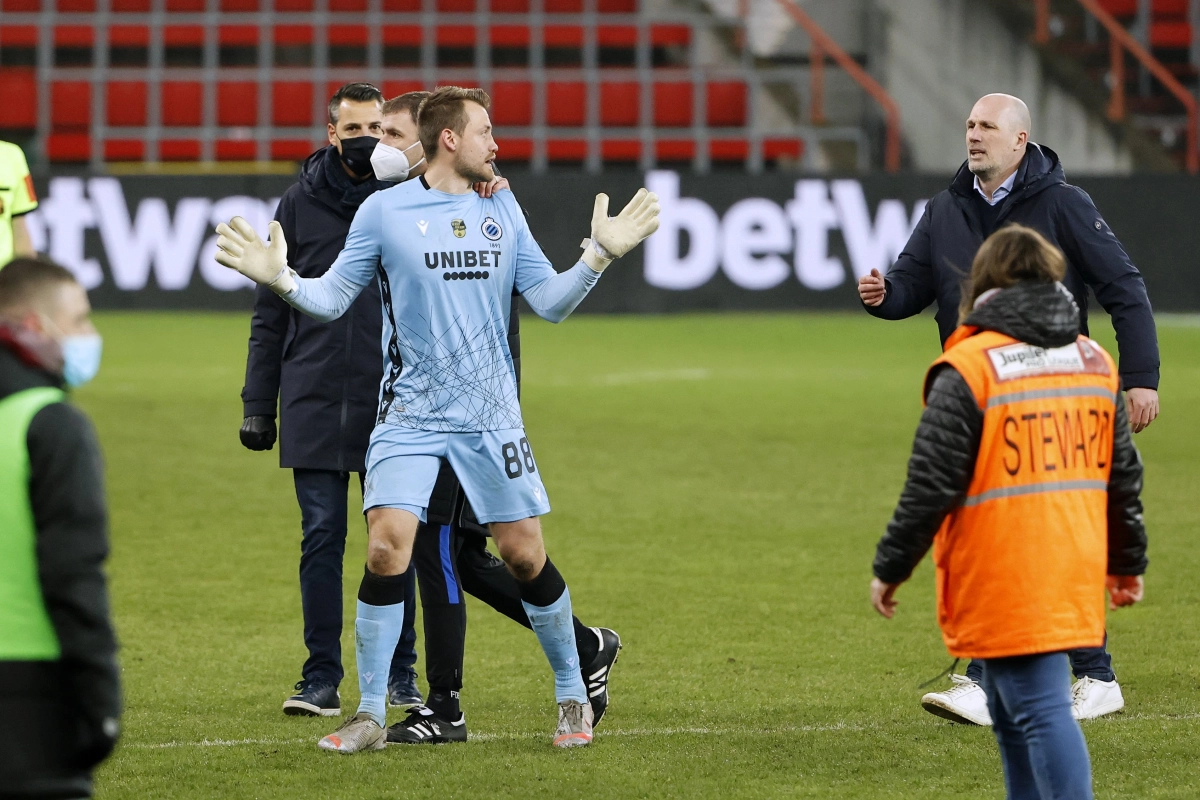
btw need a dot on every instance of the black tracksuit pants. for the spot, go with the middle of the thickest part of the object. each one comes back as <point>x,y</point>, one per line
<point>451,560</point>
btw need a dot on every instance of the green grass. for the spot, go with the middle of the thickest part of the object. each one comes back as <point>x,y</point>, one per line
<point>719,483</point>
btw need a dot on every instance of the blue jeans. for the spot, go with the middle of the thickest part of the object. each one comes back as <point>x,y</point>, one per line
<point>1086,662</point>
<point>323,506</point>
<point>1041,746</point>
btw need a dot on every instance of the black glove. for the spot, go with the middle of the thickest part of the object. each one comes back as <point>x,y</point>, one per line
<point>258,433</point>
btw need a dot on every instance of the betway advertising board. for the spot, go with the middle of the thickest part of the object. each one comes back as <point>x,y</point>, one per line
<point>727,241</point>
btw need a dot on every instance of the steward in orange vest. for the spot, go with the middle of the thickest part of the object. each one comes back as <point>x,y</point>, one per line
<point>1025,481</point>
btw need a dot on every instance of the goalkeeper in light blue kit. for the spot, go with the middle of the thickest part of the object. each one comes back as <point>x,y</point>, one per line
<point>447,261</point>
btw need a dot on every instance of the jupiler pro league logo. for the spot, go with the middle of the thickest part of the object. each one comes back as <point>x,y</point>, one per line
<point>491,229</point>
<point>459,227</point>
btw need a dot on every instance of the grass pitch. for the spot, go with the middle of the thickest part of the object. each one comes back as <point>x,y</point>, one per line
<point>718,482</point>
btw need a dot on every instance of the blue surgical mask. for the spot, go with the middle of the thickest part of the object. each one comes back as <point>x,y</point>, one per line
<point>81,358</point>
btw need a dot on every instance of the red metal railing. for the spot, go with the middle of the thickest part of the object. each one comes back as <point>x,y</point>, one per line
<point>824,46</point>
<point>1119,41</point>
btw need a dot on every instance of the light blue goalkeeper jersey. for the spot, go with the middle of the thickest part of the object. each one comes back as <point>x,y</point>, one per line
<point>447,265</point>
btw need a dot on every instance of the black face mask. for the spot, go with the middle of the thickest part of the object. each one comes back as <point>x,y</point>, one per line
<point>356,154</point>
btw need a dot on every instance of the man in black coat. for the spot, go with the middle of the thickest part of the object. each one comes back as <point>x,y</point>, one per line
<point>60,694</point>
<point>325,379</point>
<point>1005,179</point>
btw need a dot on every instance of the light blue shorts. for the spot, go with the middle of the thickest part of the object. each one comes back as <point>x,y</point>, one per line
<point>496,468</point>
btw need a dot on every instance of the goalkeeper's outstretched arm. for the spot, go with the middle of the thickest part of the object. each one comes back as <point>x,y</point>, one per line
<point>553,296</point>
<point>325,298</point>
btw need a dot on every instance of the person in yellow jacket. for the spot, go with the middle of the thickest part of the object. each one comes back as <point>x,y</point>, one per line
<point>17,199</point>
<point>1025,481</point>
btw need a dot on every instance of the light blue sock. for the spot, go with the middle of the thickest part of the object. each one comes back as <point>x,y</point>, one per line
<point>556,633</point>
<point>376,632</point>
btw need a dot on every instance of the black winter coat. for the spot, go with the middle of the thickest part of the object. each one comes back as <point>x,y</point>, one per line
<point>939,253</point>
<point>947,444</point>
<point>324,376</point>
<point>62,713</point>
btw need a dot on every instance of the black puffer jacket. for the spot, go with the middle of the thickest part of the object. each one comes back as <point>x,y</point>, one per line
<point>947,444</point>
<point>939,253</point>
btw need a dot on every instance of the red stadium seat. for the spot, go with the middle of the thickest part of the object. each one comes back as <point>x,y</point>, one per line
<point>70,105</point>
<point>566,150</point>
<point>455,45</point>
<point>237,150</point>
<point>291,149</point>
<point>728,150</point>
<point>396,88</point>
<point>566,104</point>
<point>69,6</point>
<point>18,98</point>
<point>673,105</point>
<point>73,45</point>
<point>125,104</point>
<point>1173,35</point>
<point>1120,8</point>
<point>617,6</point>
<point>292,103</point>
<point>237,103</point>
<point>69,148</point>
<point>774,149</point>
<point>185,7</point>
<point>514,150</point>
<point>293,5</point>
<point>563,6</point>
<point>510,45</point>
<point>726,104</point>
<point>619,105</point>
<point>20,6</point>
<point>676,150</point>
<point>512,103</point>
<point>347,5</point>
<point>182,104</point>
<point>508,6</point>
<point>621,150</point>
<point>124,150</point>
<point>130,6</point>
<point>239,5</point>
<point>179,150</point>
<point>402,5</point>
<point>456,6</point>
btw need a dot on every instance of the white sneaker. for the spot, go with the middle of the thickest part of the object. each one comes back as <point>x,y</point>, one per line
<point>965,702</point>
<point>357,734</point>
<point>1091,698</point>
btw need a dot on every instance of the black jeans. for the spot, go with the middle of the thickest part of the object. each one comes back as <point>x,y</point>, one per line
<point>323,508</point>
<point>1086,662</point>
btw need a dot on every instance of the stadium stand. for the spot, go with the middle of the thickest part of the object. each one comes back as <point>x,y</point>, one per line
<point>575,81</point>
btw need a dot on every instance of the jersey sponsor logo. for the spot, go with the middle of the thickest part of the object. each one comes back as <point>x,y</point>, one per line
<point>1026,360</point>
<point>459,227</point>
<point>463,259</point>
<point>491,229</point>
<point>423,225</point>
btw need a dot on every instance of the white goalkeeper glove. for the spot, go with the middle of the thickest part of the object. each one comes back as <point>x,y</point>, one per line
<point>613,237</point>
<point>238,247</point>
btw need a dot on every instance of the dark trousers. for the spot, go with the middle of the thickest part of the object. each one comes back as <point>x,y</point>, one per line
<point>1086,662</point>
<point>451,560</point>
<point>1041,746</point>
<point>323,508</point>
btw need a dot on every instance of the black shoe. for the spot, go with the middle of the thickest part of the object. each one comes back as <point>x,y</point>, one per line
<point>597,673</point>
<point>423,726</point>
<point>314,700</point>
<point>403,691</point>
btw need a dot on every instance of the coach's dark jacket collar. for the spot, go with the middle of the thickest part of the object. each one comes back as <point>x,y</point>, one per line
<point>1039,170</point>
<point>323,179</point>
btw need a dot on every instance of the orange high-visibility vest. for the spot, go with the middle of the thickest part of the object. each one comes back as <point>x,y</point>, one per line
<point>1021,563</point>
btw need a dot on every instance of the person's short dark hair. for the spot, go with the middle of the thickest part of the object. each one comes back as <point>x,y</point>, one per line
<point>24,280</point>
<point>446,108</point>
<point>409,101</point>
<point>355,93</point>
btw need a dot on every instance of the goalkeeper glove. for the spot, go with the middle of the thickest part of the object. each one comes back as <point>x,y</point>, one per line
<point>613,237</point>
<point>238,247</point>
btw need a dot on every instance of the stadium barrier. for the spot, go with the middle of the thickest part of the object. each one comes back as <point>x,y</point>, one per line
<point>728,241</point>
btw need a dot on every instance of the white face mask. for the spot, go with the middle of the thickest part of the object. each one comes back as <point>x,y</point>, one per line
<point>391,163</point>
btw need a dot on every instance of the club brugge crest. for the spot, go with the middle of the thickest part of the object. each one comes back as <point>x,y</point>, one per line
<point>459,227</point>
<point>491,229</point>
